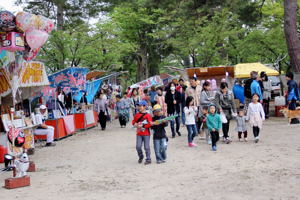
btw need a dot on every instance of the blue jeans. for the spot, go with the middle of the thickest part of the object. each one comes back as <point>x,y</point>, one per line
<point>192,131</point>
<point>182,114</point>
<point>172,122</point>
<point>160,149</point>
<point>140,140</point>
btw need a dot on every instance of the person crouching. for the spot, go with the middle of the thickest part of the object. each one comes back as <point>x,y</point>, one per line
<point>159,136</point>
<point>142,121</point>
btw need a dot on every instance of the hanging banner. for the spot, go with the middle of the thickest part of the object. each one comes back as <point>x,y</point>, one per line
<point>92,89</point>
<point>154,80</point>
<point>4,83</point>
<point>33,74</point>
<point>69,124</point>
<point>73,77</point>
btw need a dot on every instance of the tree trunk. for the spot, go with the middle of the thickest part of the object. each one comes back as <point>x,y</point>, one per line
<point>142,65</point>
<point>291,35</point>
<point>60,14</point>
<point>154,61</point>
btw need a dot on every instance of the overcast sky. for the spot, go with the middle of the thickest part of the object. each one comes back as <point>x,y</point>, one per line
<point>9,5</point>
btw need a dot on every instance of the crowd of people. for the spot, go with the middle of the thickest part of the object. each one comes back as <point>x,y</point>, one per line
<point>204,109</point>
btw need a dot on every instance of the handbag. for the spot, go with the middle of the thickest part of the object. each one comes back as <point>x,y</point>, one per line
<point>223,118</point>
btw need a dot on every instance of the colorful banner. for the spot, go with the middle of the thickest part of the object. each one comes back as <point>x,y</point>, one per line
<point>72,77</point>
<point>33,74</point>
<point>155,80</point>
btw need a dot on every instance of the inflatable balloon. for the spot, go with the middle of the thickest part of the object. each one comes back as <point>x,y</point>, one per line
<point>12,41</point>
<point>30,54</point>
<point>45,24</point>
<point>36,38</point>
<point>18,135</point>
<point>25,21</point>
<point>7,21</point>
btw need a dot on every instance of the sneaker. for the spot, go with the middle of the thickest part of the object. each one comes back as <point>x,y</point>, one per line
<point>245,139</point>
<point>227,140</point>
<point>179,134</point>
<point>140,160</point>
<point>147,162</point>
<point>173,136</point>
<point>256,139</point>
<point>191,145</point>
<point>214,148</point>
<point>159,161</point>
<point>50,144</point>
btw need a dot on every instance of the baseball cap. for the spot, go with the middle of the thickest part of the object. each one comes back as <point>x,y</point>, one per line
<point>43,107</point>
<point>142,103</point>
<point>157,107</point>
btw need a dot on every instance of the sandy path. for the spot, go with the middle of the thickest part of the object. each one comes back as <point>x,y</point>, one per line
<point>103,165</point>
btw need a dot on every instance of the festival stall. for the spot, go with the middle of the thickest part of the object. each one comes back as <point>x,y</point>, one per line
<point>21,38</point>
<point>243,70</point>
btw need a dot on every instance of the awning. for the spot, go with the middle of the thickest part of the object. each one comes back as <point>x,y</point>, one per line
<point>94,74</point>
<point>243,70</point>
<point>209,72</point>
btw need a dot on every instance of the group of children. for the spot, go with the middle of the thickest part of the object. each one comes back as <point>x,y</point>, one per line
<point>212,125</point>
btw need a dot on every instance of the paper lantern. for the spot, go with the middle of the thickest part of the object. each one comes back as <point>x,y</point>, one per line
<point>36,38</point>
<point>30,54</point>
<point>7,21</point>
<point>12,41</point>
<point>18,135</point>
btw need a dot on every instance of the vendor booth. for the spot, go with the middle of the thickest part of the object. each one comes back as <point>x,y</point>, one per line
<point>243,70</point>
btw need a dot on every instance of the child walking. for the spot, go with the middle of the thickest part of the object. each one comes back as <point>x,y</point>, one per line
<point>190,112</point>
<point>142,121</point>
<point>241,127</point>
<point>204,125</point>
<point>159,136</point>
<point>214,125</point>
<point>256,116</point>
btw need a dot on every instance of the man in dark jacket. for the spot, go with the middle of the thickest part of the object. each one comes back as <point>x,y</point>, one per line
<point>173,99</point>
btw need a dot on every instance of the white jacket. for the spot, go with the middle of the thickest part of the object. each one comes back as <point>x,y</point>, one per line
<point>190,114</point>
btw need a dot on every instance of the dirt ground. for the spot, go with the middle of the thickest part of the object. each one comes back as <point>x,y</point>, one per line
<point>98,164</point>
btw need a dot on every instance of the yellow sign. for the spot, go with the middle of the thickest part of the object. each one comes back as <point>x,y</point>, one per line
<point>33,74</point>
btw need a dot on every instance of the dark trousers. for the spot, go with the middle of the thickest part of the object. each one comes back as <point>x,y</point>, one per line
<point>240,134</point>
<point>225,129</point>
<point>122,120</point>
<point>172,122</point>
<point>214,137</point>
<point>198,123</point>
<point>140,140</point>
<point>102,119</point>
<point>255,131</point>
<point>266,104</point>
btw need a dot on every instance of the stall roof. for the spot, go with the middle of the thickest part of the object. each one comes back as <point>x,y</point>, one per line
<point>94,74</point>
<point>243,70</point>
<point>207,72</point>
